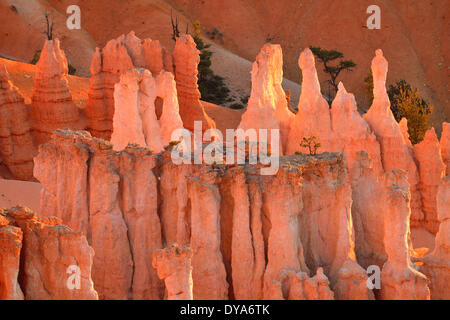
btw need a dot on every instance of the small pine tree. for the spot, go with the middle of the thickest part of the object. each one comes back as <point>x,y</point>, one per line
<point>411,106</point>
<point>311,144</point>
<point>327,57</point>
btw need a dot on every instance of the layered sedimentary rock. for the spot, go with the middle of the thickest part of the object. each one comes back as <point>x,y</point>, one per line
<point>351,132</point>
<point>129,52</point>
<point>313,116</point>
<point>267,106</point>
<point>395,152</point>
<point>186,58</point>
<point>175,268</point>
<point>135,119</point>
<point>122,222</point>
<point>52,106</point>
<point>50,260</point>
<point>437,264</point>
<point>16,143</point>
<point>399,277</point>
<point>10,243</point>
<point>445,146</point>
<point>368,208</point>
<point>106,67</point>
<point>431,170</point>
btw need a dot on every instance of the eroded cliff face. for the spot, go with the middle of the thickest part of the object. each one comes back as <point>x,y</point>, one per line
<point>437,264</point>
<point>16,142</point>
<point>135,119</point>
<point>52,106</point>
<point>37,255</point>
<point>237,222</point>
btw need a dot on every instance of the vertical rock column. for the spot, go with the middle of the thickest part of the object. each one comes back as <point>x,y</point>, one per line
<point>444,145</point>
<point>16,143</point>
<point>437,264</point>
<point>175,268</point>
<point>431,170</point>
<point>186,58</point>
<point>267,105</point>
<point>399,278</point>
<point>49,251</point>
<point>208,272</point>
<point>10,244</point>
<point>395,151</point>
<point>52,106</point>
<point>313,116</point>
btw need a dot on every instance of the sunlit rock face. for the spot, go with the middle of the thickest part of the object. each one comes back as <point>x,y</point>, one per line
<point>445,146</point>
<point>395,152</point>
<point>233,218</point>
<point>52,106</point>
<point>431,171</point>
<point>36,256</point>
<point>313,109</point>
<point>174,266</point>
<point>267,106</point>
<point>437,264</point>
<point>186,58</point>
<point>16,142</point>
<point>401,280</point>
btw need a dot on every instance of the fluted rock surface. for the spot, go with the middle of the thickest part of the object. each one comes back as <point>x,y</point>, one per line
<point>395,151</point>
<point>52,106</point>
<point>437,264</point>
<point>186,58</point>
<point>122,222</point>
<point>135,119</point>
<point>445,146</point>
<point>431,170</point>
<point>16,142</point>
<point>312,110</point>
<point>174,265</point>
<point>42,254</point>
<point>267,106</point>
<point>399,277</point>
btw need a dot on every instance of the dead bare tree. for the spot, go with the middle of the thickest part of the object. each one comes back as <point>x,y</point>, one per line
<point>175,30</point>
<point>49,25</point>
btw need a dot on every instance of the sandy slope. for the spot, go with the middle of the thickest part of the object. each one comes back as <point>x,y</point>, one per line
<point>14,193</point>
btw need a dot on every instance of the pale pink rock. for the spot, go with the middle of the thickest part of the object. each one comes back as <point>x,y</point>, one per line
<point>208,272</point>
<point>326,218</point>
<point>49,250</point>
<point>135,119</point>
<point>16,142</point>
<point>395,152</point>
<point>175,268</point>
<point>431,170</point>
<point>106,67</point>
<point>284,250</point>
<point>267,106</point>
<point>156,57</point>
<point>445,146</point>
<point>186,58</point>
<point>123,223</point>
<point>437,265</point>
<point>351,132</point>
<point>368,208</point>
<point>140,212</point>
<point>65,187</point>
<point>404,128</point>
<point>399,278</point>
<point>10,244</point>
<point>313,116</point>
<point>52,106</point>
